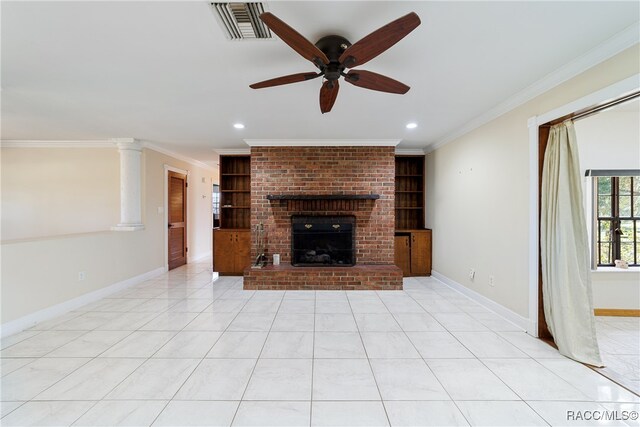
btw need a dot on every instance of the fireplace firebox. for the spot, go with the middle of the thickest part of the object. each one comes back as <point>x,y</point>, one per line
<point>323,240</point>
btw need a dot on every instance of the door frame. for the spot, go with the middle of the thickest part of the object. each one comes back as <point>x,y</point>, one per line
<point>168,168</point>
<point>602,96</point>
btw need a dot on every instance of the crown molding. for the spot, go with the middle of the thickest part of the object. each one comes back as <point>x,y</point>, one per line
<point>42,143</point>
<point>410,151</point>
<point>625,39</point>
<point>232,151</point>
<point>101,143</point>
<point>322,142</point>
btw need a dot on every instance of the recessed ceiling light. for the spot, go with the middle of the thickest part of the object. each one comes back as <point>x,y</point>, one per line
<point>412,125</point>
<point>238,125</point>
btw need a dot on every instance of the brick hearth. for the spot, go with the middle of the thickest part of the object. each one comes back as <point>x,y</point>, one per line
<point>287,277</point>
<point>320,171</point>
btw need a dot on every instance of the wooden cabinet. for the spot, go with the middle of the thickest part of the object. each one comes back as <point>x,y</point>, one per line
<point>231,251</point>
<point>403,254</point>
<point>232,241</point>
<point>412,240</point>
<point>413,252</point>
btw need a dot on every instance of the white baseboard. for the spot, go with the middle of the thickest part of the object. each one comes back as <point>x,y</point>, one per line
<point>199,257</point>
<point>24,322</point>
<point>500,310</point>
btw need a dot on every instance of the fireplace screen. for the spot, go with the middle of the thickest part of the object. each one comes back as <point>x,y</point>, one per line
<point>323,240</point>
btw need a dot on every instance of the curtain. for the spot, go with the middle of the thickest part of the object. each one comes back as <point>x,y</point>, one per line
<point>566,278</point>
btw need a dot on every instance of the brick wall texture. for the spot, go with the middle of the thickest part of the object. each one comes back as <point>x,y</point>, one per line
<point>325,170</point>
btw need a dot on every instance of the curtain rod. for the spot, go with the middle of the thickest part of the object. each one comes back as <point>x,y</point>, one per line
<point>596,109</point>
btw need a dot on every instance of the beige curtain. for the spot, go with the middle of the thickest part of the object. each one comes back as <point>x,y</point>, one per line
<point>566,277</point>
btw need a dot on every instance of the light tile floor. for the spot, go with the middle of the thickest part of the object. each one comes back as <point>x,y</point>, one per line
<point>183,350</point>
<point>619,341</point>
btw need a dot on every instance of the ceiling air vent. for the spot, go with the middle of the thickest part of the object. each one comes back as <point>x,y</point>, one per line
<point>241,21</point>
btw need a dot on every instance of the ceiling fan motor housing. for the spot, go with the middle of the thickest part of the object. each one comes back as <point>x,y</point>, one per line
<point>333,46</point>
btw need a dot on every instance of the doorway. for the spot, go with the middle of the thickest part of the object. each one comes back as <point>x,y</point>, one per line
<point>176,219</point>
<point>605,99</point>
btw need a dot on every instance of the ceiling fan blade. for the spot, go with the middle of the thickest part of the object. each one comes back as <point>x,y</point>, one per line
<point>375,81</point>
<point>294,39</point>
<point>380,40</point>
<point>285,80</point>
<point>328,95</point>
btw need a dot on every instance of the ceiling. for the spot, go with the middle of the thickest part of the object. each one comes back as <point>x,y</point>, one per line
<point>164,72</point>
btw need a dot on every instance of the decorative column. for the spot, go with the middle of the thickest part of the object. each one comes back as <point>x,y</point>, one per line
<point>130,184</point>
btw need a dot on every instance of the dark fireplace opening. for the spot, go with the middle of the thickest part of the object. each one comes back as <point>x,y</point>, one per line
<point>323,240</point>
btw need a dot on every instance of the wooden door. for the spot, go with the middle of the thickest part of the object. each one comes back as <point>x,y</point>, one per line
<point>403,254</point>
<point>177,215</point>
<point>242,250</point>
<point>223,251</point>
<point>420,254</point>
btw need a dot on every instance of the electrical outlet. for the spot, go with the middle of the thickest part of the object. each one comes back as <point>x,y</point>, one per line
<point>472,273</point>
<point>491,281</point>
<point>82,275</point>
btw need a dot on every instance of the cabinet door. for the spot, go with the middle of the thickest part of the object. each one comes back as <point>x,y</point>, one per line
<point>421,254</point>
<point>242,250</point>
<point>223,251</point>
<point>402,254</point>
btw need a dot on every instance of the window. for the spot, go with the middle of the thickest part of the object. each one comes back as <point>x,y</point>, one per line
<point>617,222</point>
<point>215,202</point>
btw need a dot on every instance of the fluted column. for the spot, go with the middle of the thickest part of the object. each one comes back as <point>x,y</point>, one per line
<point>130,184</point>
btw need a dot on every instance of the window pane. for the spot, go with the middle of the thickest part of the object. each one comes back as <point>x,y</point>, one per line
<point>605,253</point>
<point>604,185</point>
<point>636,205</point>
<point>626,252</point>
<point>604,206</point>
<point>624,206</point>
<point>625,184</point>
<point>636,185</point>
<point>626,227</point>
<point>605,231</point>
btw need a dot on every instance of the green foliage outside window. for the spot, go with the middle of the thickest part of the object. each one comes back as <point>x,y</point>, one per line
<point>618,220</point>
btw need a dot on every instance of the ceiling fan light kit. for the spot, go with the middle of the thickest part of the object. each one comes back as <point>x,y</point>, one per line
<point>333,54</point>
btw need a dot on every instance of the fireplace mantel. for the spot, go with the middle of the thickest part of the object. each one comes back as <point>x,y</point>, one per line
<point>323,196</point>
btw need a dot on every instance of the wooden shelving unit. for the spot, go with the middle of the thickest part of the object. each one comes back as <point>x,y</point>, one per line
<point>409,192</point>
<point>235,192</point>
<point>412,240</point>
<point>232,241</point>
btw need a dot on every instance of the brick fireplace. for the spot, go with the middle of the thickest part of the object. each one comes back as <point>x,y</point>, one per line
<point>355,182</point>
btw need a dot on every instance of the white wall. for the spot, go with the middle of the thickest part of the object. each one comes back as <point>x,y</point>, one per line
<point>477,192</point>
<point>41,272</point>
<point>58,191</point>
<point>610,140</point>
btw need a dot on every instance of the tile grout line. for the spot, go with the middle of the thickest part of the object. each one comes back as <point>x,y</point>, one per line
<point>427,365</point>
<point>145,361</point>
<point>203,358</point>
<point>366,353</point>
<point>259,354</point>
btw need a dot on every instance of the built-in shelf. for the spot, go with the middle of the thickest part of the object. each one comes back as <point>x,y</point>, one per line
<point>235,192</point>
<point>323,196</point>
<point>409,192</point>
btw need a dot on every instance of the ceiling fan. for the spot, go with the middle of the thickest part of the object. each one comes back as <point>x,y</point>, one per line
<point>333,54</point>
